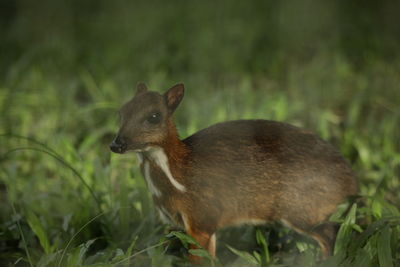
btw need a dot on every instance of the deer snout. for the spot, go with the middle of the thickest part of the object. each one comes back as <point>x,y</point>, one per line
<point>118,145</point>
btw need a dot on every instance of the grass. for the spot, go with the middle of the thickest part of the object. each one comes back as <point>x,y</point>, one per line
<point>65,200</point>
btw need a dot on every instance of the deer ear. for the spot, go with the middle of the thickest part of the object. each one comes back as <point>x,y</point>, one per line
<point>174,96</point>
<point>140,88</point>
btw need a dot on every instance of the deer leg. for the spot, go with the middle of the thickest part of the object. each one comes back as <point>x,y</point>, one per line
<point>325,235</point>
<point>205,239</point>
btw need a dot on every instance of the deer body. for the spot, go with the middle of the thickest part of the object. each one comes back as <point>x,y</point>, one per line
<point>246,171</point>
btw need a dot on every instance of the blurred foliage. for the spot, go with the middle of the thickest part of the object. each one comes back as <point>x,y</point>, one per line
<point>66,67</point>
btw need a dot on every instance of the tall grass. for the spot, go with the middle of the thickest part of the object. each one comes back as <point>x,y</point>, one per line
<point>65,200</point>
<point>78,204</point>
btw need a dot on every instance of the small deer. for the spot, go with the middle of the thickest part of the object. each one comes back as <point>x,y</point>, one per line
<point>235,172</point>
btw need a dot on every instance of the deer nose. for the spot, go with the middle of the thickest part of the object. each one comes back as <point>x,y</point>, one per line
<point>118,145</point>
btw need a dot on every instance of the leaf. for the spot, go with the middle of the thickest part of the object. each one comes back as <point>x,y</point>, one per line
<point>348,243</point>
<point>76,257</point>
<point>371,247</point>
<point>244,255</point>
<point>39,231</point>
<point>362,239</point>
<point>119,255</point>
<point>340,210</point>
<point>200,252</point>
<point>302,246</point>
<point>362,259</point>
<point>186,239</point>
<point>257,256</point>
<point>131,246</point>
<point>46,259</point>
<point>263,243</point>
<point>357,228</point>
<point>384,249</point>
<point>343,236</point>
<point>376,207</point>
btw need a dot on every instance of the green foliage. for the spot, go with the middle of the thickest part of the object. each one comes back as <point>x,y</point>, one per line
<point>39,231</point>
<point>264,258</point>
<point>67,66</point>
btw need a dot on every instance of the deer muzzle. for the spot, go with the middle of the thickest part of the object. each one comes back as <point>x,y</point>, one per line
<point>118,145</point>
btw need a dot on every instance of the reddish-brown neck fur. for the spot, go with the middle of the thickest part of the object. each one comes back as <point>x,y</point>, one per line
<point>174,148</point>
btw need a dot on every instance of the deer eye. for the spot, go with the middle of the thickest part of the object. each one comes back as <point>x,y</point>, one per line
<point>154,118</point>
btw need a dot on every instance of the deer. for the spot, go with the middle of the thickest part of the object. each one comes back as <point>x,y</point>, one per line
<point>235,172</point>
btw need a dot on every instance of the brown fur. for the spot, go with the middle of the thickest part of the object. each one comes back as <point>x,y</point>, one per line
<point>238,172</point>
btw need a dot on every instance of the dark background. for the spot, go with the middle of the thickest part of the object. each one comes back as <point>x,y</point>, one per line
<point>186,38</point>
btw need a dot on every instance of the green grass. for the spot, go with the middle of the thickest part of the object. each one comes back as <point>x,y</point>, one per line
<point>66,200</point>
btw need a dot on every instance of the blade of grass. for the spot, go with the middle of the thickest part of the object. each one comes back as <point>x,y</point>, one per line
<point>342,239</point>
<point>30,139</point>
<point>39,231</point>
<point>22,235</point>
<point>76,258</point>
<point>265,259</point>
<point>72,238</point>
<point>384,250</point>
<point>140,252</point>
<point>244,255</point>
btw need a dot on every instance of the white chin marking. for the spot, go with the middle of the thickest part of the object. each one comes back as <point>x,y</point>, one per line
<point>160,158</point>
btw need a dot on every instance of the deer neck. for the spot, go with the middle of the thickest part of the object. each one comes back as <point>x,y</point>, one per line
<point>170,156</point>
<point>174,148</point>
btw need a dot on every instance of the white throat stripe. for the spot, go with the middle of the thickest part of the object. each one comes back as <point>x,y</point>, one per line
<point>160,158</point>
